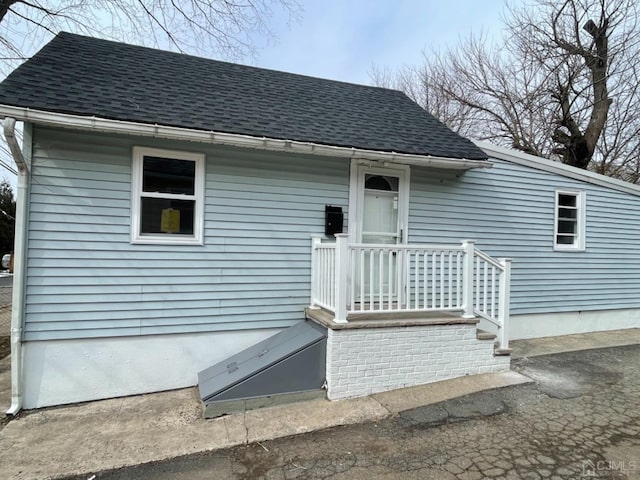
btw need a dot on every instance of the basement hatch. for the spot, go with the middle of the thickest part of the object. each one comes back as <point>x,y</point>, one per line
<point>286,367</point>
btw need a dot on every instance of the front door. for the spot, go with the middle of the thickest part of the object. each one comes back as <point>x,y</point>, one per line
<point>381,218</point>
<point>380,222</point>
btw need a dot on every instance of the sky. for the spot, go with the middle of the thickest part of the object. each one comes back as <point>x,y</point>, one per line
<point>344,39</point>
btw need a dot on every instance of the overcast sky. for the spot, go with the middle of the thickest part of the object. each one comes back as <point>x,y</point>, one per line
<point>343,39</point>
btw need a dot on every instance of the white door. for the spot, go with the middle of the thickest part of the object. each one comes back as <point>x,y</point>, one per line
<point>380,209</point>
<point>381,218</point>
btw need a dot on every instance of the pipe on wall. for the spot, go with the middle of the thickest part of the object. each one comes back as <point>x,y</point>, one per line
<point>17,314</point>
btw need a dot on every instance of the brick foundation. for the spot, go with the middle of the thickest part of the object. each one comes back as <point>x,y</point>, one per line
<point>370,360</point>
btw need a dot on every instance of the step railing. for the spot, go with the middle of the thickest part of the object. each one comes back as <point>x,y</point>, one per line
<point>491,292</point>
<point>399,278</point>
<point>323,274</point>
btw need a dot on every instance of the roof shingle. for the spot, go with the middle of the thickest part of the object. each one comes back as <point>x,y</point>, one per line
<point>87,76</point>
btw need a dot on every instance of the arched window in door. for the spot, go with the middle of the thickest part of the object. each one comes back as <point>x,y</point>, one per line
<point>381,182</point>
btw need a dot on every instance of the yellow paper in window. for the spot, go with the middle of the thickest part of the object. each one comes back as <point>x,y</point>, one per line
<point>170,221</point>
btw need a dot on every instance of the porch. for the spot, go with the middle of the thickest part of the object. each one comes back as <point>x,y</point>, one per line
<point>360,285</point>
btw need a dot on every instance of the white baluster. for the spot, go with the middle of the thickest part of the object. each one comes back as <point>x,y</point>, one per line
<point>442,280</point>
<point>425,274</point>
<point>493,292</point>
<point>486,286</point>
<point>380,279</point>
<point>467,278</point>
<point>503,307</point>
<point>362,279</point>
<point>450,292</point>
<point>434,275</point>
<point>341,276</point>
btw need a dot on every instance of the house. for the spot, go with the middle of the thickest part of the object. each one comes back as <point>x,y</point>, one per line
<point>175,211</point>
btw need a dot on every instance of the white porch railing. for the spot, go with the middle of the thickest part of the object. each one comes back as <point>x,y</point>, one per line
<point>380,278</point>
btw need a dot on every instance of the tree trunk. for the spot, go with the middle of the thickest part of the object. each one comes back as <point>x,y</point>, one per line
<point>4,7</point>
<point>577,153</point>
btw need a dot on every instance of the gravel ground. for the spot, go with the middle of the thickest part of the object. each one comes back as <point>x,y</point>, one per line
<point>5,346</point>
<point>5,304</point>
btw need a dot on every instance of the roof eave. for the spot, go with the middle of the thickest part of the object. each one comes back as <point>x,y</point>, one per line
<point>544,164</point>
<point>105,125</point>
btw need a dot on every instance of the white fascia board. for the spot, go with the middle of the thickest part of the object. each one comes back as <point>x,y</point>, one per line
<point>93,123</point>
<point>539,163</point>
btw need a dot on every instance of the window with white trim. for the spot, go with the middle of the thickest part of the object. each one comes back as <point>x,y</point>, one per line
<point>569,220</point>
<point>167,196</point>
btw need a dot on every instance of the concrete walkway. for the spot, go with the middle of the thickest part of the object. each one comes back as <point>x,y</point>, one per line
<point>91,437</point>
<point>581,419</point>
<point>571,343</point>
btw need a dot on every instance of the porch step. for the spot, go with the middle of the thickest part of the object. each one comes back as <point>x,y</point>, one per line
<point>502,351</point>
<point>497,351</point>
<point>386,319</point>
<point>484,335</point>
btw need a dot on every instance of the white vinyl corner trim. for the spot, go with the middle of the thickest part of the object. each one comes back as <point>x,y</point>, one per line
<point>105,125</point>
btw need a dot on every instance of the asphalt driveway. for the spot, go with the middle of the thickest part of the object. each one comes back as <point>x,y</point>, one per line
<point>581,419</point>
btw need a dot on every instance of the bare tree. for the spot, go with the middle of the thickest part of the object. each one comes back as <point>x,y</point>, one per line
<point>7,217</point>
<point>212,27</point>
<point>219,28</point>
<point>416,82</point>
<point>562,84</point>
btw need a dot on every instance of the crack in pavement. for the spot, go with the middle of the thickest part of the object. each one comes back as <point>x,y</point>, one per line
<point>510,433</point>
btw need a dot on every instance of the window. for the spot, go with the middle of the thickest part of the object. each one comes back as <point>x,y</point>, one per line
<point>167,198</point>
<point>569,225</point>
<point>379,182</point>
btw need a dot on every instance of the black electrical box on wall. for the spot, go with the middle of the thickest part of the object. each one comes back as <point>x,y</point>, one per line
<point>333,219</point>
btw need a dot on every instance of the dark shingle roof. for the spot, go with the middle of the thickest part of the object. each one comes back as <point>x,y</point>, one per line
<point>86,76</point>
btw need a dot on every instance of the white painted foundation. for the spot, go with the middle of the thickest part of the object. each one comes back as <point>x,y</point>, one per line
<point>370,360</point>
<point>359,361</point>
<point>68,371</point>
<point>554,324</point>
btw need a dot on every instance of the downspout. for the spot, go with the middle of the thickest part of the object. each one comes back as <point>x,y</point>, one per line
<point>19,272</point>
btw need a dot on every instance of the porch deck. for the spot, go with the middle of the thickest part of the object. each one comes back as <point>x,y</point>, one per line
<point>386,319</point>
<point>378,285</point>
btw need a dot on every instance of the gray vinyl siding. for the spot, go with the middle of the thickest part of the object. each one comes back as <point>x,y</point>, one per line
<point>85,278</point>
<point>509,211</point>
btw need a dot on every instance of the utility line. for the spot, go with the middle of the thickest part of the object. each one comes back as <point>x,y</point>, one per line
<point>8,167</point>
